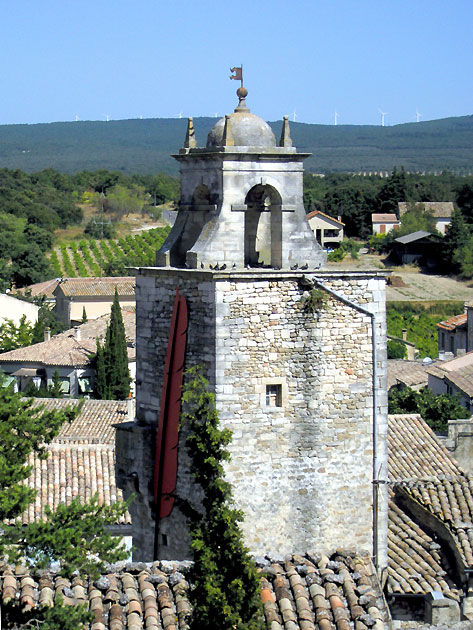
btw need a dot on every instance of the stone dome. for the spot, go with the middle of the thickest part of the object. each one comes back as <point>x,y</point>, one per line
<point>247,130</point>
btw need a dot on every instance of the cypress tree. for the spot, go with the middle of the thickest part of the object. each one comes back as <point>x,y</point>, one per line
<point>115,355</point>
<point>226,587</point>
<point>100,380</point>
<point>84,315</point>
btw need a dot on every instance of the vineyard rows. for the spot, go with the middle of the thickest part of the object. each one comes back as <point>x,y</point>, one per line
<point>89,257</point>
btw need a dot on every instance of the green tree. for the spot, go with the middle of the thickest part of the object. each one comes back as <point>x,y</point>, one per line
<point>46,319</point>
<point>394,190</point>
<point>122,200</point>
<point>30,265</point>
<point>67,532</point>
<point>225,582</point>
<point>84,315</point>
<point>457,236</point>
<point>463,259</point>
<point>416,218</point>
<point>100,380</point>
<point>112,376</point>
<point>14,336</point>
<point>396,349</point>
<point>436,410</point>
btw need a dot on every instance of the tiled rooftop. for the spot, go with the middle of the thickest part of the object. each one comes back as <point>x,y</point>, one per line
<point>415,452</point>
<point>415,559</point>
<point>458,371</point>
<point>457,321</point>
<point>81,459</point>
<point>423,473</point>
<point>45,289</point>
<point>409,373</point>
<point>104,287</point>
<point>312,592</point>
<point>439,209</point>
<point>65,349</point>
<point>379,217</point>
<point>315,213</point>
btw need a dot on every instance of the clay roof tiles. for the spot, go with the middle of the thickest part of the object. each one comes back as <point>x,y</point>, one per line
<point>409,373</point>
<point>379,217</point>
<point>298,593</point>
<point>457,321</point>
<point>103,287</point>
<point>415,452</point>
<point>81,458</point>
<point>439,209</point>
<point>65,349</point>
<point>422,472</point>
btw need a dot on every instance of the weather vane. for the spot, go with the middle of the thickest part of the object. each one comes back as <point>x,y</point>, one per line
<point>238,76</point>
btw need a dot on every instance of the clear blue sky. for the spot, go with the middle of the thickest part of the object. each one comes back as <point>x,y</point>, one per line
<point>125,58</point>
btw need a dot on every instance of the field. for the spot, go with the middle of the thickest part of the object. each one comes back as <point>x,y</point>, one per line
<point>90,257</point>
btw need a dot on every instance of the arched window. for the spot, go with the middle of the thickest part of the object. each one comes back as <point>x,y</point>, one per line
<point>263,227</point>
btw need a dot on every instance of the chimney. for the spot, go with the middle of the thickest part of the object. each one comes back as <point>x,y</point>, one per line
<point>131,408</point>
<point>47,333</point>
<point>404,334</point>
<point>77,332</point>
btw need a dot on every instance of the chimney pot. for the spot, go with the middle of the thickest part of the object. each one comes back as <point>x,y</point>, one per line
<point>47,333</point>
<point>77,333</point>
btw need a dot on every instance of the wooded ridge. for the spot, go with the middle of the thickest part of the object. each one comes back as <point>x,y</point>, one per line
<point>144,146</point>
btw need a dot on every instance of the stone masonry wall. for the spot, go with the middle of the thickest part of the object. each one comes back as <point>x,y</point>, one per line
<point>302,472</point>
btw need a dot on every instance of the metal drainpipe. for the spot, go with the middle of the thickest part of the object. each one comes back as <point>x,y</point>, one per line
<point>376,481</point>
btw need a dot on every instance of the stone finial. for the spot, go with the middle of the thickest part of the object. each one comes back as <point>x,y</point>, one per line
<point>190,142</point>
<point>227,139</point>
<point>242,93</point>
<point>285,140</point>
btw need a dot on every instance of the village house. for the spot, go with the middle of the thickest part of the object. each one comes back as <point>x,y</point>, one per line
<point>455,334</point>
<point>92,295</point>
<point>454,377</point>
<point>383,223</point>
<point>441,211</point>
<point>327,230</point>
<point>69,354</point>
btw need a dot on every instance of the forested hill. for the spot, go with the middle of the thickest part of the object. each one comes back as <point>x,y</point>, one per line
<point>144,146</point>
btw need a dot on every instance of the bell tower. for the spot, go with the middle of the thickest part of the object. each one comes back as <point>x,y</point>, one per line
<point>300,381</point>
<point>241,199</point>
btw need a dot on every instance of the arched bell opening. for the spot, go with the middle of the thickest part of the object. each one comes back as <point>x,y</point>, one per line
<point>263,227</point>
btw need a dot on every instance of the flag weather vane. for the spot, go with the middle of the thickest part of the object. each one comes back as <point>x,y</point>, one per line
<point>238,76</point>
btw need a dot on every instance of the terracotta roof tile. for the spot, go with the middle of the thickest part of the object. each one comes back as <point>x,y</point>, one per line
<point>315,213</point>
<point>104,287</point>
<point>65,350</point>
<point>457,321</point>
<point>415,452</point>
<point>81,458</point>
<point>41,288</point>
<point>409,373</point>
<point>439,209</point>
<point>422,472</point>
<point>299,593</point>
<point>384,218</point>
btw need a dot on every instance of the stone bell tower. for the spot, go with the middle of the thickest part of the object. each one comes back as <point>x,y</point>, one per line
<point>301,383</point>
<point>241,199</point>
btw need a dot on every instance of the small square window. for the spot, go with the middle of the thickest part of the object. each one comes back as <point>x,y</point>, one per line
<point>273,396</point>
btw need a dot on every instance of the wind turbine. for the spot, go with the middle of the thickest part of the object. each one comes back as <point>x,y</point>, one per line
<point>77,117</point>
<point>107,117</point>
<point>335,118</point>
<point>180,115</point>
<point>383,114</point>
<point>418,115</point>
<point>294,116</point>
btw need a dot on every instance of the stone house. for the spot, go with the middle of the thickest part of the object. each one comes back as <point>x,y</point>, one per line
<point>383,223</point>
<point>327,230</point>
<point>440,210</point>
<point>69,353</point>
<point>454,377</point>
<point>95,295</point>
<point>455,334</point>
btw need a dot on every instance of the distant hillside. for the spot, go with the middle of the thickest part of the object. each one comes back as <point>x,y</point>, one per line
<point>144,146</point>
